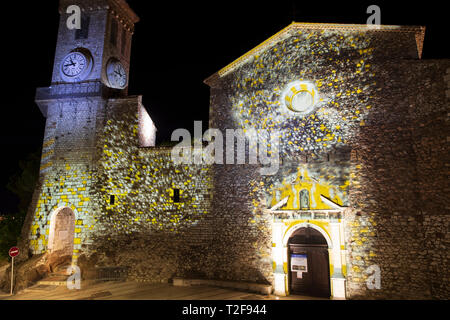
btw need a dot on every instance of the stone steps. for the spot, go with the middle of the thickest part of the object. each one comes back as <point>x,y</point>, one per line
<point>54,280</point>
<point>40,288</point>
<point>61,271</point>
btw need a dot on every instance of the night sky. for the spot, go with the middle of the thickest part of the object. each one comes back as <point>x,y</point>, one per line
<point>175,43</point>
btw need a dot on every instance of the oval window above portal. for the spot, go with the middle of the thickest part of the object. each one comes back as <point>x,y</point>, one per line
<point>300,97</point>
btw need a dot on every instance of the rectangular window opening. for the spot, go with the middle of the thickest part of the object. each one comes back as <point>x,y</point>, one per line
<point>113,35</point>
<point>124,41</point>
<point>112,199</point>
<point>176,195</point>
<point>83,33</point>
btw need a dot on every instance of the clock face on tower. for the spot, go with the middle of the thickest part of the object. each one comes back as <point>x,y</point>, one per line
<point>76,66</point>
<point>116,74</point>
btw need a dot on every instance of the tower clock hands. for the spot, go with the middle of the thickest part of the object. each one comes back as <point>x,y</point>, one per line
<point>118,71</point>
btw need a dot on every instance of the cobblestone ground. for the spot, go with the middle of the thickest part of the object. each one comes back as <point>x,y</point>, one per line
<point>138,291</point>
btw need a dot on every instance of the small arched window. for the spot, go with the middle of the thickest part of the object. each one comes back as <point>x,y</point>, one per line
<point>304,199</point>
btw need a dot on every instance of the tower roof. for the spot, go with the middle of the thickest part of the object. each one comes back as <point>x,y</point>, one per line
<point>120,7</point>
<point>417,31</point>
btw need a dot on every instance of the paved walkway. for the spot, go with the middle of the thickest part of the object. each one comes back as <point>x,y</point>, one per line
<point>138,291</point>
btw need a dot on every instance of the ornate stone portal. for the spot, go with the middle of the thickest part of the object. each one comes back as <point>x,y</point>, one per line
<point>330,224</point>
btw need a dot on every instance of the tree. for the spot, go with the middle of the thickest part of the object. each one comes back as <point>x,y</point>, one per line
<point>10,228</point>
<point>22,184</point>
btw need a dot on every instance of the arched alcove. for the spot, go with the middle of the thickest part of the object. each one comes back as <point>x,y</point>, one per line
<point>62,230</point>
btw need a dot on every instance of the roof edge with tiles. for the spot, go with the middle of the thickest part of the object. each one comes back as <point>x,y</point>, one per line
<point>418,31</point>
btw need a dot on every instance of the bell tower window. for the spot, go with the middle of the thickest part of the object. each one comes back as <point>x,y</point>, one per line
<point>114,31</point>
<point>124,40</point>
<point>83,33</point>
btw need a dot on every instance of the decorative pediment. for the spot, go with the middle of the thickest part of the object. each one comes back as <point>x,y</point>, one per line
<point>309,190</point>
<point>334,206</point>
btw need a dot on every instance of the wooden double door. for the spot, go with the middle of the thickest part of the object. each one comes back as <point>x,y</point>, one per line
<point>309,271</point>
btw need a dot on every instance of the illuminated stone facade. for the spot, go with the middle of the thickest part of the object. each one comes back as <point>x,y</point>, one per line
<point>362,163</point>
<point>371,155</point>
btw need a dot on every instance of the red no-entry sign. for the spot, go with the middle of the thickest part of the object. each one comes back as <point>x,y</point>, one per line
<point>13,252</point>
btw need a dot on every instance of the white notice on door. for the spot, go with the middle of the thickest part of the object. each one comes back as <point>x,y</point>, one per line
<point>299,264</point>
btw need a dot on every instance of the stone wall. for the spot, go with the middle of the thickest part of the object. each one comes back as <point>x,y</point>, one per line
<point>158,237</point>
<point>398,186</point>
<point>431,142</point>
<point>241,249</point>
<point>67,170</point>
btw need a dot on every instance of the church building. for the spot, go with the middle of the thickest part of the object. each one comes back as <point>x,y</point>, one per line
<point>356,209</point>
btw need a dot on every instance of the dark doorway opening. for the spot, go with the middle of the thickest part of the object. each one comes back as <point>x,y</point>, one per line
<point>309,268</point>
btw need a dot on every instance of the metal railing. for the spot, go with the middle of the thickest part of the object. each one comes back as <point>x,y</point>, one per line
<point>112,273</point>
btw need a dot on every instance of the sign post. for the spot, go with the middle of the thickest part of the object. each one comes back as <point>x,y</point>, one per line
<point>13,252</point>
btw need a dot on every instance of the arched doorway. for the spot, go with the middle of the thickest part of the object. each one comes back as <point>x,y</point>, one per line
<point>309,267</point>
<point>62,230</point>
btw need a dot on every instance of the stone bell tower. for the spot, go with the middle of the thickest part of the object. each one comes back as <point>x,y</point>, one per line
<point>90,70</point>
<point>91,65</point>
